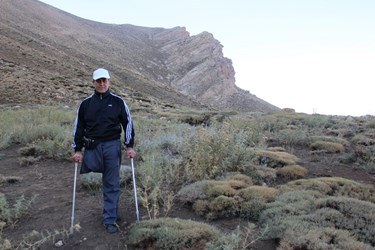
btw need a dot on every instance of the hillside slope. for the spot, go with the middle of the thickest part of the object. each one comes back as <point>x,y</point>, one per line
<point>52,53</point>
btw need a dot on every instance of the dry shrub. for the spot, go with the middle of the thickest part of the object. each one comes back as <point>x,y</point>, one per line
<point>220,188</point>
<point>93,181</point>
<point>28,161</point>
<point>329,147</point>
<point>239,180</point>
<point>334,186</point>
<point>192,192</point>
<point>233,196</point>
<point>365,155</point>
<point>275,159</point>
<point>221,200</point>
<point>266,173</point>
<point>255,200</point>
<point>9,179</point>
<point>208,189</point>
<point>321,239</point>
<point>267,194</point>
<point>28,150</point>
<point>223,207</point>
<point>168,233</point>
<point>363,140</point>
<point>292,172</point>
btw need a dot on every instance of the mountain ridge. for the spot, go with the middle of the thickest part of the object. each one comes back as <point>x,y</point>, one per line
<point>53,53</point>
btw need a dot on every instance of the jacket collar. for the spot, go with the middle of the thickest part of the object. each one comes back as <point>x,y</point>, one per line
<point>102,95</point>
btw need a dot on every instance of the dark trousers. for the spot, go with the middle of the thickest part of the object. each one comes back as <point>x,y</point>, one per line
<point>105,158</point>
<point>111,153</point>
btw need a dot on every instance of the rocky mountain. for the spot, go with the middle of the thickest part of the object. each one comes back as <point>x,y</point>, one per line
<point>47,56</point>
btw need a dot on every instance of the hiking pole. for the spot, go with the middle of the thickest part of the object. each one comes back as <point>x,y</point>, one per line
<point>135,190</point>
<point>71,230</point>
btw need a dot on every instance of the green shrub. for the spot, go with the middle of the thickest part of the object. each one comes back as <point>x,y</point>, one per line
<point>299,213</point>
<point>321,239</point>
<point>283,213</point>
<point>290,137</point>
<point>216,150</point>
<point>169,233</point>
<point>10,213</point>
<point>355,216</point>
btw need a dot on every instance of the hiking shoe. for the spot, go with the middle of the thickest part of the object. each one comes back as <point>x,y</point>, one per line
<point>111,228</point>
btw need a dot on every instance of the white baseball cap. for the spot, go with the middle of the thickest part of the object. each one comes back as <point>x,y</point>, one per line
<point>100,73</point>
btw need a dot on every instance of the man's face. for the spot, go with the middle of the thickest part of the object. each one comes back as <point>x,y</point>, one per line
<point>101,85</point>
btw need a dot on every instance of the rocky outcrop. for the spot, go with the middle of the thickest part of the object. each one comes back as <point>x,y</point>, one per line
<point>199,68</point>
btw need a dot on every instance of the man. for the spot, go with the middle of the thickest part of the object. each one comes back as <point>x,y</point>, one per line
<point>97,128</point>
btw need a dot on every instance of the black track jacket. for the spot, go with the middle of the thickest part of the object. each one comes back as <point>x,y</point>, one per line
<point>100,117</point>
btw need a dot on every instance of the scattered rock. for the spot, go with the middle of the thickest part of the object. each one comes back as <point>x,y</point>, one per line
<point>59,243</point>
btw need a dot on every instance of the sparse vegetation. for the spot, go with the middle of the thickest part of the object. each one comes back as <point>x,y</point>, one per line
<point>244,175</point>
<point>229,166</point>
<point>11,213</point>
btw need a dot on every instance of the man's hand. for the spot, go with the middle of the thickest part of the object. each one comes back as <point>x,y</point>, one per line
<point>130,152</point>
<point>77,157</point>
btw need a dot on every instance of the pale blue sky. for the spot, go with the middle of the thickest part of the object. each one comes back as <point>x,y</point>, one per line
<point>316,56</point>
